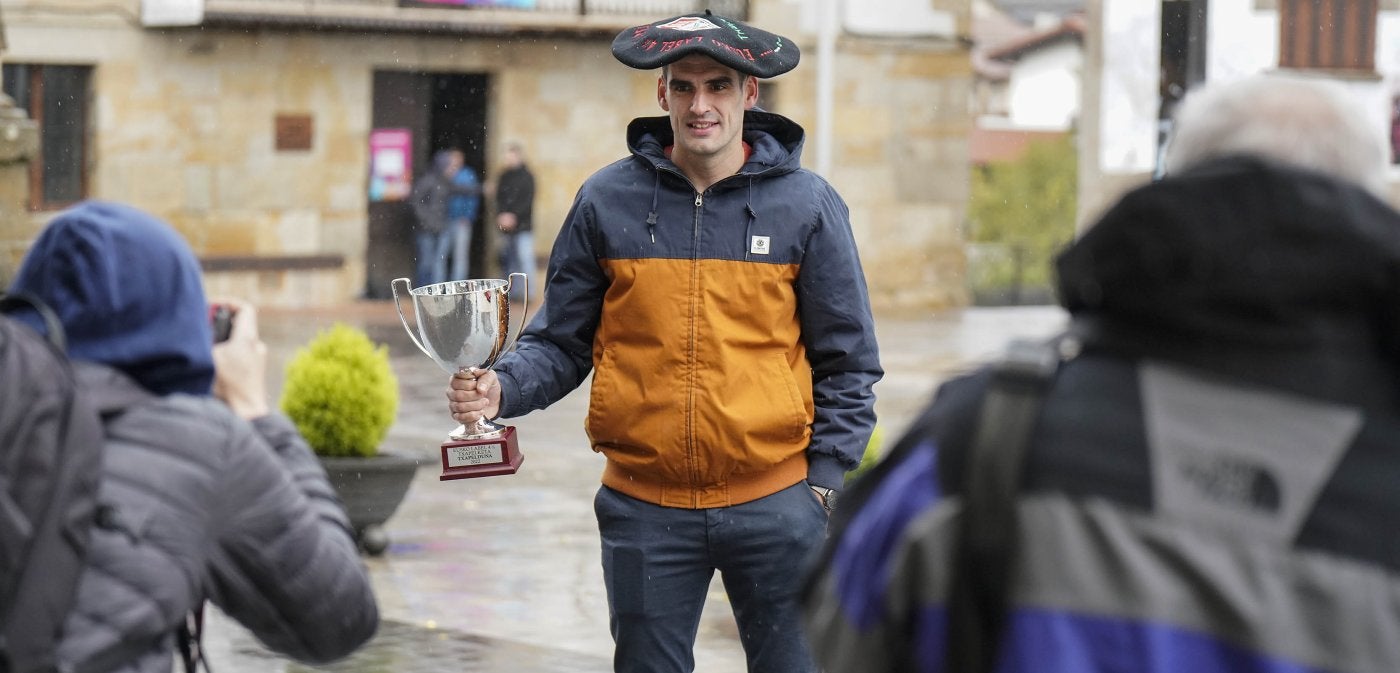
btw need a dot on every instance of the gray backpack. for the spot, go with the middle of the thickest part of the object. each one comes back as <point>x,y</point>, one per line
<point>50,462</point>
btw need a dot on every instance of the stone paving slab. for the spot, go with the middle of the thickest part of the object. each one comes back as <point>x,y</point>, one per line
<point>399,647</point>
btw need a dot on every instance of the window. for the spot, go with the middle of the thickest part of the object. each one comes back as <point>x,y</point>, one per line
<point>57,99</point>
<point>1327,34</point>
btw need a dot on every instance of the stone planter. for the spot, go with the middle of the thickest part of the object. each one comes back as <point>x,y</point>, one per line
<point>371,490</point>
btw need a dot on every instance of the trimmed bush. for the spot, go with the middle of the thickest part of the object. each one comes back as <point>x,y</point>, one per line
<point>341,393</point>
<point>874,451</point>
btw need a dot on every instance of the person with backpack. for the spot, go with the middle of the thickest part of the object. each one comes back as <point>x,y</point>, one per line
<point>1199,475</point>
<point>202,492</point>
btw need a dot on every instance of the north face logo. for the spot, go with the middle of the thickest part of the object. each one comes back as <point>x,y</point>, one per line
<point>1231,481</point>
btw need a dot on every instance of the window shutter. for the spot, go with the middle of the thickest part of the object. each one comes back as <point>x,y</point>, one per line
<point>1327,34</point>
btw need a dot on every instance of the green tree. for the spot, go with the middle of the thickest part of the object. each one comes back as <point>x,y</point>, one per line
<point>1026,208</point>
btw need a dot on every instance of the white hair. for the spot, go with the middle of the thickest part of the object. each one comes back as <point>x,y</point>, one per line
<point>1306,122</point>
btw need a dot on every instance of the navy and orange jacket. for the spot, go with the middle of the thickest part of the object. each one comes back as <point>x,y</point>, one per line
<point>728,331</point>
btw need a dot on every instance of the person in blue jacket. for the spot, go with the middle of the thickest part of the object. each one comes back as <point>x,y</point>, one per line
<point>712,288</point>
<point>1209,484</point>
<point>462,210</point>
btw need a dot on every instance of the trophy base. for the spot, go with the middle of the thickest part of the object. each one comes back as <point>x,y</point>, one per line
<point>487,457</point>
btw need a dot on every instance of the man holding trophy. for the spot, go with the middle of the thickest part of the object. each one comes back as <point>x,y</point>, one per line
<point>712,287</point>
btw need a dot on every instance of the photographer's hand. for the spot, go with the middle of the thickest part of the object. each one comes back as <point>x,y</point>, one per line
<point>240,364</point>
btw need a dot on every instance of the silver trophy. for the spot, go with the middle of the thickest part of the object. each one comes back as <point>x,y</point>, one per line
<point>465,324</point>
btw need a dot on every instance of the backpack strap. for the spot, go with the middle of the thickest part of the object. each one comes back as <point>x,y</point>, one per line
<point>46,528</point>
<point>979,599</point>
<point>53,326</point>
<point>190,639</point>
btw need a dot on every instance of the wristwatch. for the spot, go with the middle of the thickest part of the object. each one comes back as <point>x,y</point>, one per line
<point>827,495</point>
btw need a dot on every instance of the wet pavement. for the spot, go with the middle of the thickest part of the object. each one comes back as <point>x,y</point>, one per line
<point>503,574</point>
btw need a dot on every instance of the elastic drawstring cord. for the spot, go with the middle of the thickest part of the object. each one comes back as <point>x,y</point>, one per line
<point>753,216</point>
<point>651,216</point>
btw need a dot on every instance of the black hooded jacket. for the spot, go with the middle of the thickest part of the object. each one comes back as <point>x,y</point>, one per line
<point>1250,270</point>
<point>1210,479</point>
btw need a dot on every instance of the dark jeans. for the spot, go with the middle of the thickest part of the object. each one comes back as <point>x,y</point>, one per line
<point>658,563</point>
<point>518,256</point>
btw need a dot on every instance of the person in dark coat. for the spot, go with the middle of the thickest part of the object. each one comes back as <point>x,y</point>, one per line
<point>1209,484</point>
<point>515,205</point>
<point>211,495</point>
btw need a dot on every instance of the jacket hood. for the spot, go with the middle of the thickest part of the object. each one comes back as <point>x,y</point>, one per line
<point>1241,253</point>
<point>775,139</point>
<point>128,291</point>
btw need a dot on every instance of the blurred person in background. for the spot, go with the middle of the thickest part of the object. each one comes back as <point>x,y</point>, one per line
<point>1209,478</point>
<point>435,201</point>
<point>515,205</point>
<point>462,209</point>
<point>206,493</point>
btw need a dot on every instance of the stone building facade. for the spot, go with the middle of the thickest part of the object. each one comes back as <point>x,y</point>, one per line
<point>249,128</point>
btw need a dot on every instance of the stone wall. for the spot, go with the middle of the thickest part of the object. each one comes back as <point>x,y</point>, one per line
<point>18,140</point>
<point>184,127</point>
<point>902,117</point>
<point>900,161</point>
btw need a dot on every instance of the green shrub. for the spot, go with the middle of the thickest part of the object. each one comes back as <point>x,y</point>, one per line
<point>873,452</point>
<point>341,393</point>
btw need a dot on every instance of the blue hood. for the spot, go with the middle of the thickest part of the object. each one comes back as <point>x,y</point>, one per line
<point>128,291</point>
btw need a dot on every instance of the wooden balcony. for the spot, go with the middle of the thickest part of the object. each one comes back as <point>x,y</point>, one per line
<point>547,17</point>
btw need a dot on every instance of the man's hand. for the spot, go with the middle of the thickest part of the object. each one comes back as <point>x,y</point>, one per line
<point>474,394</point>
<point>240,364</point>
<point>506,222</point>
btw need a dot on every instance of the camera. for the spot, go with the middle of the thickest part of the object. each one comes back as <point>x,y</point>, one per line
<point>221,320</point>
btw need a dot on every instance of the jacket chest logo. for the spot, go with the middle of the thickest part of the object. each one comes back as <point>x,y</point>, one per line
<point>758,245</point>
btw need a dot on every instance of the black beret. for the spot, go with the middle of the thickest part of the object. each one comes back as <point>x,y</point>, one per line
<point>738,45</point>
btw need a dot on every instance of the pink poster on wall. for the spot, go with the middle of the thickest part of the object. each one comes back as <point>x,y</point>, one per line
<point>391,164</point>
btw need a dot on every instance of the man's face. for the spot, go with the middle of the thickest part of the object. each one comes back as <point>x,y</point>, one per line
<point>707,102</point>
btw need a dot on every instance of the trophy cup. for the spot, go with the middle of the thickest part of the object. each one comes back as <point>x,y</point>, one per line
<point>464,324</point>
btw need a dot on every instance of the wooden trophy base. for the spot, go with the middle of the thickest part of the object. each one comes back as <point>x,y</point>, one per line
<point>468,458</point>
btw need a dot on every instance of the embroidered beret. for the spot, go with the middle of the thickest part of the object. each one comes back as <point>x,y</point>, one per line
<point>738,45</point>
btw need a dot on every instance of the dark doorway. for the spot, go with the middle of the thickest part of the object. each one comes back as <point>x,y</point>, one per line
<point>438,111</point>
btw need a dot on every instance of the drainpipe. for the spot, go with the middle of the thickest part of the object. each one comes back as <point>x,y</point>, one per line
<point>826,78</point>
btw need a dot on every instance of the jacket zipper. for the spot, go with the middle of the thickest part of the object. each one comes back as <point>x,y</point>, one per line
<point>694,345</point>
